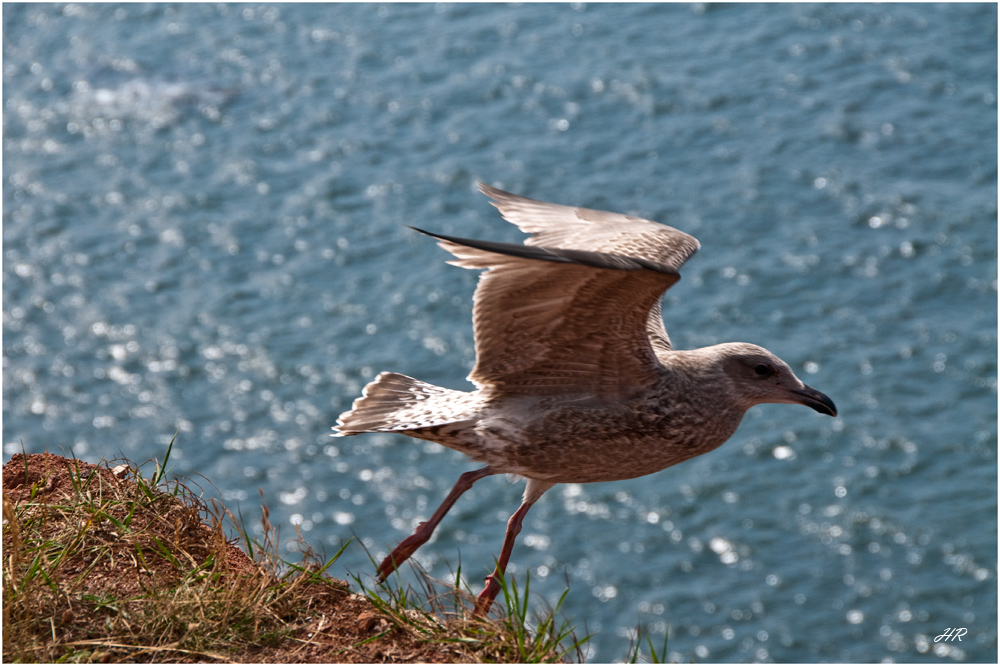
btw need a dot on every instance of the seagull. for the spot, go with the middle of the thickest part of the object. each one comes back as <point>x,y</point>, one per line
<point>576,378</point>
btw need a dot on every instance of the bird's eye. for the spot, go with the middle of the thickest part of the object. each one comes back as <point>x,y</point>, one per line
<point>763,370</point>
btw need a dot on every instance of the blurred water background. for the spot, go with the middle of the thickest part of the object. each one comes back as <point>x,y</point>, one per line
<point>204,212</point>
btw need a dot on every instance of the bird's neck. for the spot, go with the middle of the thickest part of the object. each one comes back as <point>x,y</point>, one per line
<point>698,376</point>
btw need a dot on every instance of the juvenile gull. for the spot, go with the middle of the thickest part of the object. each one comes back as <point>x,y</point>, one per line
<point>576,379</point>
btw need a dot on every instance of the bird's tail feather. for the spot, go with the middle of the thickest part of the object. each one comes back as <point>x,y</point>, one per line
<point>393,403</point>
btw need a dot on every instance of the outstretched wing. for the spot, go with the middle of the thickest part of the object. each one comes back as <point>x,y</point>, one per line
<point>553,225</point>
<point>570,312</point>
<point>568,227</point>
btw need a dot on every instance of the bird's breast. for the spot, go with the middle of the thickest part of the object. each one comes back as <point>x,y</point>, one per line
<point>584,445</point>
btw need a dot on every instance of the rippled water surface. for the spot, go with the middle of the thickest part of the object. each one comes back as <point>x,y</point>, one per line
<point>204,231</point>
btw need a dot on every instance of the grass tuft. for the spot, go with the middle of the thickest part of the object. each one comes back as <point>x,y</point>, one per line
<point>511,634</point>
<point>655,656</point>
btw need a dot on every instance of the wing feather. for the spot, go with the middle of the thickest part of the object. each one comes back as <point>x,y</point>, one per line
<point>576,309</point>
<point>553,225</point>
<point>547,327</point>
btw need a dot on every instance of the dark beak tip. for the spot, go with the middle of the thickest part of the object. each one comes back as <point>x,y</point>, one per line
<point>820,402</point>
<point>829,410</point>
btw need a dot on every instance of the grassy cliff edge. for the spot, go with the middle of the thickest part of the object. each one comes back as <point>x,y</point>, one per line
<point>102,564</point>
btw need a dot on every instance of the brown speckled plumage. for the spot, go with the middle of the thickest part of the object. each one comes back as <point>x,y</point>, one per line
<point>576,379</point>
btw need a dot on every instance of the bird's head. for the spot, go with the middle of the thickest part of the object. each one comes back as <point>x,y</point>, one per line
<point>757,376</point>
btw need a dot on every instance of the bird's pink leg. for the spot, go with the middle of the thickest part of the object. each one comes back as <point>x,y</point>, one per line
<point>489,593</point>
<point>410,544</point>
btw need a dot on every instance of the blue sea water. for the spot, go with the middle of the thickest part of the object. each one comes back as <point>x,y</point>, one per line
<point>204,232</point>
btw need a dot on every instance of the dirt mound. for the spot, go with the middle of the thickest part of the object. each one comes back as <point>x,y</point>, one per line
<point>101,564</point>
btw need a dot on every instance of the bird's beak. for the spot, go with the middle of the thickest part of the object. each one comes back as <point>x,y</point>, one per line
<point>810,397</point>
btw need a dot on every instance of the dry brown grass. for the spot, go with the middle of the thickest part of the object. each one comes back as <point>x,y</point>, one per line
<point>103,565</point>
